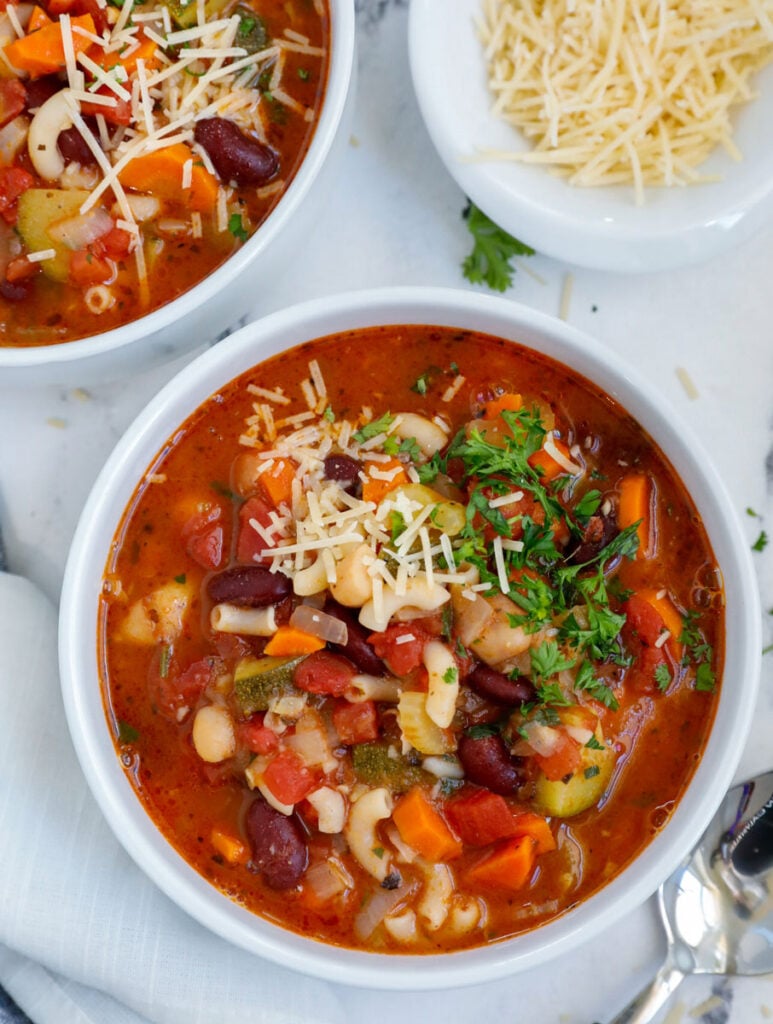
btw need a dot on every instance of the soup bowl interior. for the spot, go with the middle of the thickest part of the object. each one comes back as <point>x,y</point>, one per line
<point>105,509</point>
<point>227,294</point>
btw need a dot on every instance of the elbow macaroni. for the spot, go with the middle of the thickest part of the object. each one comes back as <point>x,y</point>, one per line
<point>372,807</point>
<point>419,593</point>
<point>443,686</point>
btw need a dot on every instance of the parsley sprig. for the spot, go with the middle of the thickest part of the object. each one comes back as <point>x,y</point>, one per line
<point>489,262</point>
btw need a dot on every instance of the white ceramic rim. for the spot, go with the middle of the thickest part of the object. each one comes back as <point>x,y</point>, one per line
<point>88,556</point>
<point>340,71</point>
<point>597,228</point>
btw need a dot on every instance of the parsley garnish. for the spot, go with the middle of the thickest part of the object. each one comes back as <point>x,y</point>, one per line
<point>705,679</point>
<point>180,578</point>
<point>592,771</point>
<point>479,732</point>
<point>329,415</point>
<point>761,542</point>
<point>127,734</point>
<point>588,504</point>
<point>489,262</point>
<point>303,74</point>
<point>593,744</point>
<point>410,447</point>
<point>450,675</point>
<point>236,227</point>
<point>374,428</point>
<point>662,677</point>
<point>220,488</point>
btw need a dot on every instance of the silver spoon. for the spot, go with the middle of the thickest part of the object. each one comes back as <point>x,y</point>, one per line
<point>717,908</point>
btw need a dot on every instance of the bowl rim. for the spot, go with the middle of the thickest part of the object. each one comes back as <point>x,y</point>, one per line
<point>575,229</point>
<point>136,451</point>
<point>340,73</point>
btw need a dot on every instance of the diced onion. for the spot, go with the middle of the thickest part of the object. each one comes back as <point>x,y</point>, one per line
<point>380,903</point>
<point>542,738</point>
<point>79,232</point>
<point>326,627</point>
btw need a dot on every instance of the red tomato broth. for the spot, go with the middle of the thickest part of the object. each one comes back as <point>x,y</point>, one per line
<point>657,737</point>
<point>38,309</point>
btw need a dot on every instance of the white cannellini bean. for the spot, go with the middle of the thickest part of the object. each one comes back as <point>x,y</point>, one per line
<point>354,586</point>
<point>53,117</point>
<point>428,435</point>
<point>465,915</point>
<point>418,594</point>
<point>213,734</point>
<point>443,687</point>
<point>372,807</point>
<point>331,808</point>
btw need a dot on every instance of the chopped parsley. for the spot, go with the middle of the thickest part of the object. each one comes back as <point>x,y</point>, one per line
<point>588,504</point>
<point>374,428</point>
<point>592,771</point>
<point>304,74</point>
<point>761,542</point>
<point>451,675</point>
<point>127,734</point>
<point>329,415</point>
<point>593,744</point>
<point>662,677</point>
<point>236,227</point>
<point>490,260</point>
<point>181,578</point>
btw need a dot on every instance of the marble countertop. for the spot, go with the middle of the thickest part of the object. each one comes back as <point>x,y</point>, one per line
<point>394,217</point>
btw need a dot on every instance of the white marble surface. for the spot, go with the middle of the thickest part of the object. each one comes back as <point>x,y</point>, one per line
<point>394,218</point>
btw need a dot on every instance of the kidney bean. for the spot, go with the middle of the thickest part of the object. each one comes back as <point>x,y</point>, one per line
<point>599,531</point>
<point>487,762</point>
<point>251,585</point>
<point>357,649</point>
<point>234,155</point>
<point>498,687</point>
<point>278,844</point>
<point>73,148</point>
<point>14,291</point>
<point>345,471</point>
<point>41,89</point>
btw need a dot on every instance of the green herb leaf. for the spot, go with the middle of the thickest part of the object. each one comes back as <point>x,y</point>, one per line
<point>410,447</point>
<point>329,415</point>
<point>592,771</point>
<point>374,428</point>
<point>236,227</point>
<point>489,262</point>
<point>450,675</point>
<point>593,744</point>
<point>303,74</point>
<point>662,677</point>
<point>479,732</point>
<point>181,578</point>
<point>705,679</point>
<point>761,542</point>
<point>222,489</point>
<point>588,504</point>
<point>127,734</point>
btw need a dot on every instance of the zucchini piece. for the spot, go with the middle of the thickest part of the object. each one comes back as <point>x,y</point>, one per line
<point>184,11</point>
<point>374,765</point>
<point>39,208</point>
<point>585,787</point>
<point>258,681</point>
<point>252,33</point>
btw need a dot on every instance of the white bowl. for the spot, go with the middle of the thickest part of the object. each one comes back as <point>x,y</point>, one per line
<point>226,295</point>
<point>114,489</point>
<point>592,227</point>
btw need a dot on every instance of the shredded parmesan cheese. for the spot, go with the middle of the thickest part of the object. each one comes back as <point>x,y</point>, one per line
<point>614,91</point>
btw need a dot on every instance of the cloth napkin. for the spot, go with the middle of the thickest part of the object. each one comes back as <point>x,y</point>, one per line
<point>85,937</point>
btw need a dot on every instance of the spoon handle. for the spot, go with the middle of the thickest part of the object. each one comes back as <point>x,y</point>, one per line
<point>643,1008</point>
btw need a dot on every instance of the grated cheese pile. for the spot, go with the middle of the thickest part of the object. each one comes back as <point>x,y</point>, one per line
<point>621,91</point>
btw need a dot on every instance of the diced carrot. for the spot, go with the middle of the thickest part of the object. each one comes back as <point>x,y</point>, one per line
<point>38,19</point>
<point>147,51</point>
<point>635,506</point>
<point>505,403</point>
<point>276,483</point>
<point>42,52</point>
<point>529,824</point>
<point>289,642</point>
<point>547,466</point>
<point>481,817</point>
<point>375,489</point>
<point>161,172</point>
<point>668,612</point>
<point>508,866</point>
<point>423,829</point>
<point>229,847</point>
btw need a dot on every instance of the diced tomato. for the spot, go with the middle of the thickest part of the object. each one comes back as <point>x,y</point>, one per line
<point>257,737</point>
<point>250,544</point>
<point>324,672</point>
<point>203,536</point>
<point>75,7</point>
<point>288,778</point>
<point>643,626</point>
<point>402,657</point>
<point>87,269</point>
<point>120,113</point>
<point>184,688</point>
<point>481,817</point>
<point>13,182</point>
<point>356,723</point>
<point>565,759</point>
<point>13,97</point>
<point>20,268</point>
<point>116,244</point>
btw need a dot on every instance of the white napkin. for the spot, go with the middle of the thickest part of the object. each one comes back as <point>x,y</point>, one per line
<point>87,937</point>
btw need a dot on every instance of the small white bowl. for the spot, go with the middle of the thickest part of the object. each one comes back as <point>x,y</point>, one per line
<point>592,227</point>
<point>104,511</point>
<point>224,296</point>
